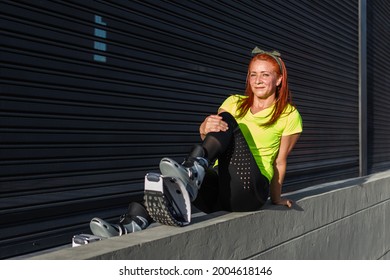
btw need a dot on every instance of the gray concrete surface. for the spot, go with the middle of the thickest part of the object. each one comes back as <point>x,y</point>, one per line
<point>340,220</point>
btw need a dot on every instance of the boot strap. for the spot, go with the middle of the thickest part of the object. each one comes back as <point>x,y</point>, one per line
<point>126,219</point>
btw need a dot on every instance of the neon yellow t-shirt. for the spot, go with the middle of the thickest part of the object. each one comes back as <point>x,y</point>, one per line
<point>263,141</point>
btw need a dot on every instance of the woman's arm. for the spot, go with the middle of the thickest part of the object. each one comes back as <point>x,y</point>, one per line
<point>286,145</point>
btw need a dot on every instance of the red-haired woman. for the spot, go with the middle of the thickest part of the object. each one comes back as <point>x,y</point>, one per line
<point>251,137</point>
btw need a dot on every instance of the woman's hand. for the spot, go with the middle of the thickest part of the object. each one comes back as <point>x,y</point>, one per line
<point>284,201</point>
<point>212,123</point>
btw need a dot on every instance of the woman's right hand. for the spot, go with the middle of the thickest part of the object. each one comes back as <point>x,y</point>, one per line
<point>212,123</point>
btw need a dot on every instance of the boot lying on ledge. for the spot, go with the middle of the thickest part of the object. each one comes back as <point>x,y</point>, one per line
<point>136,219</point>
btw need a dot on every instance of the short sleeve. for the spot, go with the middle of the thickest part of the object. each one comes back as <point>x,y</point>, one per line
<point>293,124</point>
<point>230,104</point>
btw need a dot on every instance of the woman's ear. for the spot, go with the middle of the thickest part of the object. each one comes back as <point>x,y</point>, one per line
<point>279,81</point>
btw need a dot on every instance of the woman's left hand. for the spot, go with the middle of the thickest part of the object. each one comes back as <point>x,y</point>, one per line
<point>285,202</point>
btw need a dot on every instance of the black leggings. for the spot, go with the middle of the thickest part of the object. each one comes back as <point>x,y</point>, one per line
<point>236,184</point>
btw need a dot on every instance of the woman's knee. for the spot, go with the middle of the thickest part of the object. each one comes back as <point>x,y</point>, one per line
<point>228,118</point>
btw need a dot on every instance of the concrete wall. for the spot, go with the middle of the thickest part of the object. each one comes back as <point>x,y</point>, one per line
<point>340,220</point>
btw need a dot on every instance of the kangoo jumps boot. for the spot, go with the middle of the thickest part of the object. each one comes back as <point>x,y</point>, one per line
<point>136,219</point>
<point>191,172</point>
<point>167,200</point>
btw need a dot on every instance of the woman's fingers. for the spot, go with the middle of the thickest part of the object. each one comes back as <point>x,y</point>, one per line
<point>214,123</point>
<point>285,202</point>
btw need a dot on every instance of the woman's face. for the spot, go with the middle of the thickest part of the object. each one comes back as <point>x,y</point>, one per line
<point>263,79</point>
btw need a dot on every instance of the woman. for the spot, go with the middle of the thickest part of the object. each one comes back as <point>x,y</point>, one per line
<point>251,136</point>
<point>250,139</point>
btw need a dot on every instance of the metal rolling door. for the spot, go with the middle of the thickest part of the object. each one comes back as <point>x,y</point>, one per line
<point>378,74</point>
<point>94,93</point>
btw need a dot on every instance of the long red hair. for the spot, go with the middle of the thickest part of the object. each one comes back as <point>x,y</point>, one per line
<point>283,94</point>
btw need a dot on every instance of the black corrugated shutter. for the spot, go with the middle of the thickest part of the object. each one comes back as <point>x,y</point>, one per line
<point>94,93</point>
<point>378,84</point>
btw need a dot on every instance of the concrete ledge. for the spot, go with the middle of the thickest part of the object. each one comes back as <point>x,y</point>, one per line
<point>341,220</point>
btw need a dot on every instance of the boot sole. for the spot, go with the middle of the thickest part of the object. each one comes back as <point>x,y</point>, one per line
<point>166,200</point>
